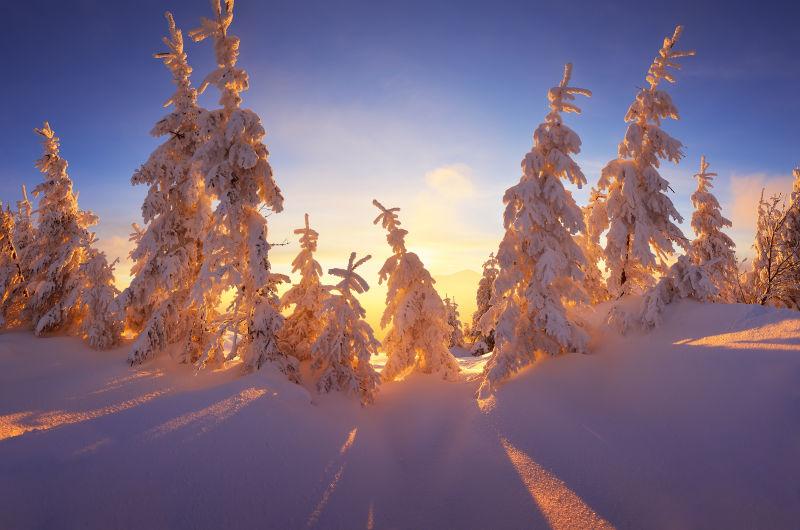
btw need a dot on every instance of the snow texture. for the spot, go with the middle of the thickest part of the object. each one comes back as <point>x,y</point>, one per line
<point>303,325</point>
<point>540,262</point>
<point>594,217</point>
<point>639,214</point>
<point>12,282</point>
<point>233,159</point>
<point>67,273</point>
<point>341,353</point>
<point>176,210</point>
<point>453,320</point>
<point>483,340</point>
<point>693,425</point>
<point>684,279</point>
<point>712,248</point>
<point>792,237</point>
<point>419,333</point>
<point>775,273</point>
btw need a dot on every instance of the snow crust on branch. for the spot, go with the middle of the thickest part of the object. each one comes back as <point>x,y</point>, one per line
<point>706,273</point>
<point>639,214</point>
<point>303,326</point>
<point>168,251</point>
<point>712,248</point>
<point>483,339</point>
<point>419,334</point>
<point>540,262</point>
<point>12,282</point>
<point>683,280</point>
<point>17,234</point>
<point>341,352</point>
<point>67,274</point>
<point>101,326</point>
<point>233,160</point>
<point>792,244</point>
<point>594,215</point>
<point>453,320</point>
<point>24,232</point>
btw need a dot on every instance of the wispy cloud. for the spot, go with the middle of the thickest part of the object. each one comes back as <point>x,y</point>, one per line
<point>742,206</point>
<point>452,182</point>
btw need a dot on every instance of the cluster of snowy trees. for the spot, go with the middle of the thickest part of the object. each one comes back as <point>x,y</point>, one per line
<point>621,248</point>
<point>205,237</point>
<point>52,277</point>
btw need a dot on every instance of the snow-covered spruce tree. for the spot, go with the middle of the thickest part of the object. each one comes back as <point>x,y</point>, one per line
<point>233,159</point>
<point>15,263</point>
<point>168,252</point>
<point>456,334</point>
<point>596,221</point>
<point>484,342</point>
<point>343,347</point>
<point>419,334</point>
<point>24,232</point>
<point>302,327</point>
<point>540,262</point>
<point>101,325</point>
<point>11,279</point>
<point>641,232</point>
<point>21,238</point>
<point>712,248</point>
<point>63,246</point>
<point>683,280</point>
<point>758,282</point>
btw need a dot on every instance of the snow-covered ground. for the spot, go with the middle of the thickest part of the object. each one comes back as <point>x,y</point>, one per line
<point>695,425</point>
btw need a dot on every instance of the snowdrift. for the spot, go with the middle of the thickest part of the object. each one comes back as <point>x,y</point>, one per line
<point>694,425</point>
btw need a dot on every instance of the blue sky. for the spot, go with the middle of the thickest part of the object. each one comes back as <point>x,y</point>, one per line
<point>425,105</point>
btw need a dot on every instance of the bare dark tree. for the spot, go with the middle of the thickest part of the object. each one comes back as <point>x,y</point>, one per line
<point>776,265</point>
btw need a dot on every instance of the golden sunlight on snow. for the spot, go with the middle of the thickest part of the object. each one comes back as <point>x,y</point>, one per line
<point>560,505</point>
<point>349,442</point>
<point>120,382</point>
<point>371,516</point>
<point>18,423</point>
<point>780,335</point>
<point>334,480</point>
<point>210,416</point>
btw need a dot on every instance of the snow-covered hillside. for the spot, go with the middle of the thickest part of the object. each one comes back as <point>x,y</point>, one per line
<point>695,425</point>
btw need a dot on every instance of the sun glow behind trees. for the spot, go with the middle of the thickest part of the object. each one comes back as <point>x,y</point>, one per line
<point>212,190</point>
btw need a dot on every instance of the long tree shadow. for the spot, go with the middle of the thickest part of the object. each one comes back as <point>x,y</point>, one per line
<point>205,419</point>
<point>18,423</point>
<point>330,478</point>
<point>561,506</point>
<point>433,462</point>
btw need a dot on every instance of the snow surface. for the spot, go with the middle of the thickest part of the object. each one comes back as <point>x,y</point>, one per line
<point>694,425</point>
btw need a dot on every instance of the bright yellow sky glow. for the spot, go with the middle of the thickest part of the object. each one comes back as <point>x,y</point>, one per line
<point>437,212</point>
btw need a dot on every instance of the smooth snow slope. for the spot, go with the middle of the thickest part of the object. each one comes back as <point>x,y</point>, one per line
<point>696,425</point>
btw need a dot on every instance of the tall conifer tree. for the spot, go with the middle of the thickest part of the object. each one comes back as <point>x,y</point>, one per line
<point>346,342</point>
<point>419,334</point>
<point>308,296</point>
<point>169,249</point>
<point>60,277</point>
<point>540,262</point>
<point>640,215</point>
<point>712,248</point>
<point>233,159</point>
